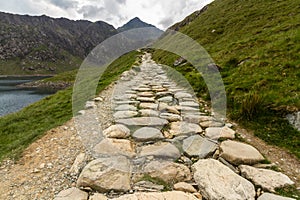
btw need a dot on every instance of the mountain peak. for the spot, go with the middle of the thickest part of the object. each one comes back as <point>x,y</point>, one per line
<point>134,23</point>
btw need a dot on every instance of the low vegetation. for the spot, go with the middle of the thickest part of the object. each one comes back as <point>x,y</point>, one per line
<point>20,129</point>
<point>256,45</point>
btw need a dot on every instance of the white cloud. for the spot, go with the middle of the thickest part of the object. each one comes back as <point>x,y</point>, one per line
<point>116,12</point>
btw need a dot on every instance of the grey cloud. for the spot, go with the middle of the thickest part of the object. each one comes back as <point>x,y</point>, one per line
<point>166,22</point>
<point>64,4</point>
<point>121,1</point>
<point>90,11</point>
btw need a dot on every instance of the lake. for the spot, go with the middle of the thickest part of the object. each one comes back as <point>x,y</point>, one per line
<point>13,98</point>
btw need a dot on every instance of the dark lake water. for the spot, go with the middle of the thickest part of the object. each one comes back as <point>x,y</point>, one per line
<point>13,98</point>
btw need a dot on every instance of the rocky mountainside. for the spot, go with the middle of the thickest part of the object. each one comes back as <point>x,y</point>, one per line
<point>41,44</point>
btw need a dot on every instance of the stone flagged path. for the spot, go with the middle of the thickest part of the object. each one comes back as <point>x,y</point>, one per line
<point>162,140</point>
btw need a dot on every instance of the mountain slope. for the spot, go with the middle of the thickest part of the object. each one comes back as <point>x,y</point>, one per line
<point>40,44</point>
<point>256,44</point>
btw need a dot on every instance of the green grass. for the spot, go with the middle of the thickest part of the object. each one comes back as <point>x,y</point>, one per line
<point>257,45</point>
<point>20,129</point>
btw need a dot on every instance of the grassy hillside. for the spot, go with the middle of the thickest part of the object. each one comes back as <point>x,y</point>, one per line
<point>19,129</point>
<point>257,45</point>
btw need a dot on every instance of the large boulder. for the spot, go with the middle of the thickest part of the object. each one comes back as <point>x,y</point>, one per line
<point>169,172</point>
<point>105,174</point>
<point>216,181</point>
<point>267,179</point>
<point>239,153</point>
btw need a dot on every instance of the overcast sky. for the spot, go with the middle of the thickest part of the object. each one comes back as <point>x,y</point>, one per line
<point>161,13</point>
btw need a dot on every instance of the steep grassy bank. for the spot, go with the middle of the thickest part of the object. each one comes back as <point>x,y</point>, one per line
<point>256,44</point>
<point>20,129</point>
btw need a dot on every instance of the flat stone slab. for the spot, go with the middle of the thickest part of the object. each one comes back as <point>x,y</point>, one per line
<point>166,99</point>
<point>125,107</point>
<point>189,104</point>
<point>152,106</point>
<point>184,128</point>
<point>267,179</point>
<point>145,94</point>
<point>117,131</point>
<point>143,121</point>
<point>114,147</point>
<point>198,146</point>
<point>170,117</point>
<point>162,149</point>
<point>216,181</point>
<point>180,95</point>
<point>127,102</point>
<point>219,132</point>
<point>163,94</point>
<point>125,114</point>
<point>239,153</point>
<point>172,195</point>
<point>125,97</point>
<point>147,134</point>
<point>269,196</point>
<point>148,113</point>
<point>106,174</point>
<point>207,124</point>
<point>146,99</point>
<point>168,171</point>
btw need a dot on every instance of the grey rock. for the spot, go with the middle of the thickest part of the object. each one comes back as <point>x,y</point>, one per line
<point>216,181</point>
<point>147,186</point>
<point>184,187</point>
<point>125,107</point>
<point>117,131</point>
<point>143,121</point>
<point>189,104</point>
<point>168,171</point>
<point>114,147</point>
<point>269,180</point>
<point>146,99</point>
<point>72,194</point>
<point>239,153</point>
<point>171,195</point>
<point>166,99</point>
<point>184,128</point>
<point>147,134</point>
<point>170,117</point>
<point>98,196</point>
<point>148,113</point>
<point>207,124</point>
<point>105,174</point>
<point>78,164</point>
<point>152,106</point>
<point>180,95</point>
<point>198,146</point>
<point>163,150</point>
<point>219,132</point>
<point>129,102</point>
<point>269,196</point>
<point>125,114</point>
<point>146,94</point>
<point>90,105</point>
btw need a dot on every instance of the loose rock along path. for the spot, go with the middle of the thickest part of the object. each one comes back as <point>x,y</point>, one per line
<point>161,140</point>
